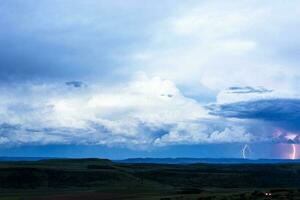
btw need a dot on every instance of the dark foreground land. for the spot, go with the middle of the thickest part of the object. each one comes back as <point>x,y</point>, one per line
<point>92,179</point>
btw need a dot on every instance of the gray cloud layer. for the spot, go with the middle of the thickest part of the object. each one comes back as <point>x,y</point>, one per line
<point>283,113</point>
<point>71,39</point>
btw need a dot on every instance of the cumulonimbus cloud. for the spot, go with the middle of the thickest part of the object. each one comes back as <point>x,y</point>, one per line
<point>144,112</point>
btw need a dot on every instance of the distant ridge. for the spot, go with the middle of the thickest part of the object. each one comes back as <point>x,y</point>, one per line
<point>7,158</point>
<point>205,160</point>
<point>166,160</point>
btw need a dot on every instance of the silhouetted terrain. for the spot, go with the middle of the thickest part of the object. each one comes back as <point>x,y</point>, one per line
<point>6,158</point>
<point>205,160</point>
<point>104,179</point>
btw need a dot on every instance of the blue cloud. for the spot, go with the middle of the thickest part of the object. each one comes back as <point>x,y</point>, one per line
<point>76,84</point>
<point>281,112</point>
<point>4,127</point>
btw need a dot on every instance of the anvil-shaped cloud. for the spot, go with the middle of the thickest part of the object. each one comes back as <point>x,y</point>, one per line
<point>267,107</point>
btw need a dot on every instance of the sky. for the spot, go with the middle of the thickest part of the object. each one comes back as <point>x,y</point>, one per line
<point>140,78</point>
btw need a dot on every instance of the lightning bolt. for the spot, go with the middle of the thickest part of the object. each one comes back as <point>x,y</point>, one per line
<point>294,152</point>
<point>244,151</point>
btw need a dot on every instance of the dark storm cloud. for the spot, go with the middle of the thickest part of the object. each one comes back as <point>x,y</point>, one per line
<point>281,112</point>
<point>70,39</point>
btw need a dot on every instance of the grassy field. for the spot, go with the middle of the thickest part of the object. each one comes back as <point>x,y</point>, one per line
<point>103,179</point>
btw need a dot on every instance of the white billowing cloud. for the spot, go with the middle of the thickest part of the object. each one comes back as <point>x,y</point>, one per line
<point>149,100</point>
<point>138,112</point>
<point>141,113</point>
<point>222,44</point>
<point>194,133</point>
